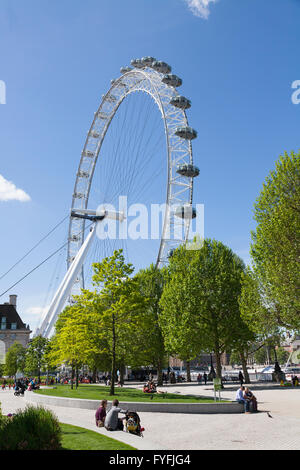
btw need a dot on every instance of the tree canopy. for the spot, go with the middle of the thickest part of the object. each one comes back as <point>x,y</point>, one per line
<point>200,309</point>
<point>275,246</point>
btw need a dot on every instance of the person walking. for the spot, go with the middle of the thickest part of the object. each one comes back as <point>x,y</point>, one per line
<point>205,377</point>
<point>241,378</point>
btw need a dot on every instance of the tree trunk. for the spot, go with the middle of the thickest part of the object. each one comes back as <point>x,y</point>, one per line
<point>72,376</point>
<point>113,365</point>
<point>159,373</point>
<point>188,371</point>
<point>244,367</point>
<point>77,373</point>
<point>218,364</point>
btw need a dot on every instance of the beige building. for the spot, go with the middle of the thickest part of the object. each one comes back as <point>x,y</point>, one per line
<point>12,329</point>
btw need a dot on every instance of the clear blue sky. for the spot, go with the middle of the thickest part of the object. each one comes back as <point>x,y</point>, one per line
<point>57,58</point>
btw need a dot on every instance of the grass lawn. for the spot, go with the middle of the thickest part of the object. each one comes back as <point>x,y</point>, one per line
<point>76,438</point>
<point>98,392</point>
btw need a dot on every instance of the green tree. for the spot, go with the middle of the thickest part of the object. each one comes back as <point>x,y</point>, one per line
<point>73,342</point>
<point>282,355</point>
<point>149,347</point>
<point>276,241</point>
<point>15,359</point>
<point>34,360</point>
<point>117,302</point>
<point>200,309</point>
<point>179,318</point>
<point>260,355</point>
<point>261,316</point>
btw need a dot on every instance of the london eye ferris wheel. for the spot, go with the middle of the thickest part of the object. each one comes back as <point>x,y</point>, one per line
<point>138,150</point>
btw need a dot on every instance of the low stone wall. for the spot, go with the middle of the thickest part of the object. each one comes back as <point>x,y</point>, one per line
<point>182,408</point>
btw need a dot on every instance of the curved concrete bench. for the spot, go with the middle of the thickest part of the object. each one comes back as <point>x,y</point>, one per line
<point>194,408</point>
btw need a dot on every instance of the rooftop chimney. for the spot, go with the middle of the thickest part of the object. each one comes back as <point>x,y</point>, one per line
<point>13,300</point>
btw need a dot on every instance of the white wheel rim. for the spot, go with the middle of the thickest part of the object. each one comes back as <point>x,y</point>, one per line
<point>179,190</point>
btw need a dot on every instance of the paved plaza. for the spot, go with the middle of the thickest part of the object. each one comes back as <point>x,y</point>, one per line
<point>275,427</point>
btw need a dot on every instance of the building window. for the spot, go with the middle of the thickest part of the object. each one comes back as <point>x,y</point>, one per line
<point>3,326</point>
<point>13,326</point>
<point>2,352</point>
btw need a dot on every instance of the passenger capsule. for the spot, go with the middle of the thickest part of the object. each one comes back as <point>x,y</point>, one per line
<point>161,67</point>
<point>83,174</point>
<point>171,80</point>
<point>186,212</point>
<point>79,196</point>
<point>170,253</point>
<point>125,69</point>
<point>147,61</point>
<point>186,133</point>
<point>181,102</point>
<point>188,170</point>
<point>137,63</point>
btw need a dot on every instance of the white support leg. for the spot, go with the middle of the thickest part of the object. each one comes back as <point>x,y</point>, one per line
<point>65,286</point>
<point>64,289</point>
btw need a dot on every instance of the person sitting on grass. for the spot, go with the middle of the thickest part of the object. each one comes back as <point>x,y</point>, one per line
<point>241,399</point>
<point>149,388</point>
<point>101,414</point>
<point>112,421</point>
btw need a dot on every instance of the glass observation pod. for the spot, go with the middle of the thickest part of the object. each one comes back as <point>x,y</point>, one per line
<point>125,69</point>
<point>170,253</point>
<point>83,174</point>
<point>186,212</point>
<point>188,170</point>
<point>186,133</point>
<point>181,102</point>
<point>79,196</point>
<point>172,80</point>
<point>137,63</point>
<point>161,67</point>
<point>147,61</point>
